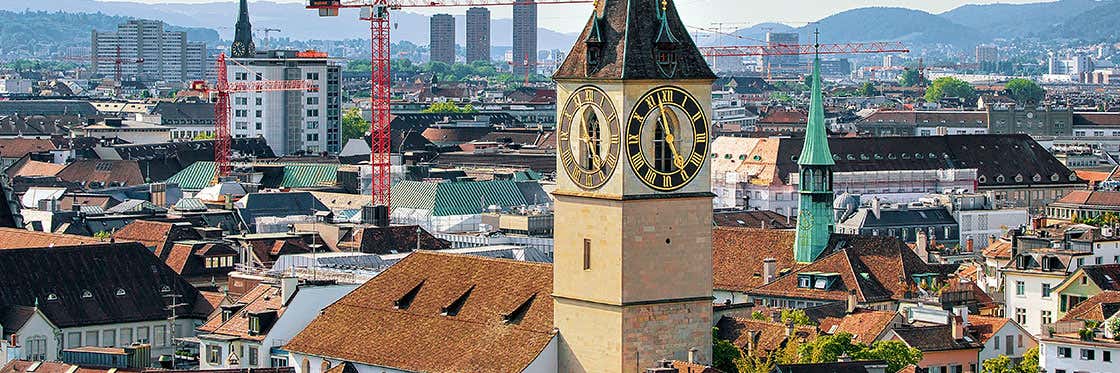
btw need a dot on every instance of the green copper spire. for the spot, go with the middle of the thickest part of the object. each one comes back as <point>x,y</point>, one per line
<point>815,215</point>
<point>815,151</point>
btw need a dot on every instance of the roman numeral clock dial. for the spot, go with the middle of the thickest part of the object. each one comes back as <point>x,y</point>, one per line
<point>667,138</point>
<point>589,138</point>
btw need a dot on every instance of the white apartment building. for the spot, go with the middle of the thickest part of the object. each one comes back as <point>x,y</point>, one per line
<point>14,84</point>
<point>149,52</point>
<point>290,121</point>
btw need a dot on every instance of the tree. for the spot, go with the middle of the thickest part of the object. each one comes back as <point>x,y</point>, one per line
<point>1001,364</point>
<point>758,315</point>
<point>1029,364</point>
<point>102,235</point>
<point>911,78</point>
<point>353,126</point>
<point>897,354</point>
<point>724,353</point>
<point>868,90</point>
<point>1025,91</point>
<point>448,107</point>
<point>829,347</point>
<point>795,316</point>
<point>950,87</point>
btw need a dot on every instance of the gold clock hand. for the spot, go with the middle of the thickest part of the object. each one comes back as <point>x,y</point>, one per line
<point>585,135</point>
<point>669,138</point>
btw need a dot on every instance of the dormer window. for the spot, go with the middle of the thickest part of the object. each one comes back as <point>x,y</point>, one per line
<point>457,305</point>
<point>52,296</point>
<point>518,313</point>
<point>120,292</point>
<point>254,324</point>
<point>86,294</point>
<point>165,289</point>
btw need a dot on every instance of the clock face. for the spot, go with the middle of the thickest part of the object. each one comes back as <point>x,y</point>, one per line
<point>667,138</point>
<point>589,138</point>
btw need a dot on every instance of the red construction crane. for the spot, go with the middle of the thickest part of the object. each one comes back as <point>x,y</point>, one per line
<point>222,109</point>
<point>377,13</point>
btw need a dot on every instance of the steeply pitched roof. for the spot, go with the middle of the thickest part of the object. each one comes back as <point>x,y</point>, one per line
<point>876,268</point>
<point>95,284</point>
<point>31,168</point>
<point>439,313</point>
<point>1098,307</point>
<point>626,34</point>
<point>934,338</point>
<point>466,197</point>
<point>15,148</point>
<point>752,219</point>
<point>815,149</point>
<point>1000,249</point>
<point>767,336</point>
<point>13,318</point>
<point>992,155</point>
<point>984,327</point>
<point>262,298</point>
<point>1106,276</point>
<point>15,238</point>
<point>395,239</point>
<point>104,173</point>
<point>737,255</point>
<point>864,326</point>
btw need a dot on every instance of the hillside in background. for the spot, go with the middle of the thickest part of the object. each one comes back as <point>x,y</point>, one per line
<point>1018,20</point>
<point>1100,24</point>
<point>914,27</point>
<point>50,31</point>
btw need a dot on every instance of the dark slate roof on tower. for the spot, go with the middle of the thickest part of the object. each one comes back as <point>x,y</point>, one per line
<point>244,33</point>
<point>623,38</point>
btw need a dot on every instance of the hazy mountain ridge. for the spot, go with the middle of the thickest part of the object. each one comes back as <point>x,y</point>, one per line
<point>55,30</point>
<point>1018,20</point>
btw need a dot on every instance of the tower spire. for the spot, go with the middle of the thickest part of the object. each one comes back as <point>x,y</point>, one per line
<point>815,218</point>
<point>243,46</point>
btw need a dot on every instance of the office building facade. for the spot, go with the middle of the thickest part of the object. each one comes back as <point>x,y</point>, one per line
<point>442,45</point>
<point>478,34</point>
<point>148,51</point>
<point>524,37</point>
<point>290,121</point>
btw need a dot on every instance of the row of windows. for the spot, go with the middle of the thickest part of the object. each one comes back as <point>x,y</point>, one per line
<point>156,335</point>
<point>1084,354</point>
<point>214,355</point>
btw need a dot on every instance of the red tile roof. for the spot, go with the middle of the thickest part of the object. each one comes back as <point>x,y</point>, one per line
<point>264,297</point>
<point>984,327</point>
<point>864,326</point>
<point>785,116</point>
<point>767,336</point>
<point>32,168</point>
<point>401,318</point>
<point>17,148</point>
<point>737,255</point>
<point>1098,307</point>
<point>106,172</point>
<point>1000,250</point>
<point>15,238</point>
<point>1091,198</point>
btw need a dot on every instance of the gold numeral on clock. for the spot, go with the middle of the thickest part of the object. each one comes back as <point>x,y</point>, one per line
<point>666,181</point>
<point>665,96</point>
<point>698,115</point>
<point>701,137</point>
<point>633,139</point>
<point>696,159</point>
<point>649,176</point>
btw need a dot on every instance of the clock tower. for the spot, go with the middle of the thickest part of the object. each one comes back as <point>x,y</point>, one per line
<point>633,216</point>
<point>243,46</point>
<point>814,217</point>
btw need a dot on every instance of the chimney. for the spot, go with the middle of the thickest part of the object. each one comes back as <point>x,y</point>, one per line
<point>692,355</point>
<point>288,286</point>
<point>852,301</point>
<point>968,245</point>
<point>958,329</point>
<point>962,312</point>
<point>789,329</point>
<point>769,270</point>
<point>876,207</point>
<point>921,245</point>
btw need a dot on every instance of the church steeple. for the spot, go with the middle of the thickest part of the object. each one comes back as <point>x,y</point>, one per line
<point>243,46</point>
<point>815,219</point>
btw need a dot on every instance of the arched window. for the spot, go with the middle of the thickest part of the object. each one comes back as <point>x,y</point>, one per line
<point>662,149</point>
<point>589,150</point>
<point>305,365</point>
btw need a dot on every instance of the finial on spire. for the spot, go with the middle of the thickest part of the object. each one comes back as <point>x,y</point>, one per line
<point>816,41</point>
<point>664,6</point>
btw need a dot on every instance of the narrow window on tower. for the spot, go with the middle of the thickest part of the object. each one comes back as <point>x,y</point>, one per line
<point>586,254</point>
<point>662,152</point>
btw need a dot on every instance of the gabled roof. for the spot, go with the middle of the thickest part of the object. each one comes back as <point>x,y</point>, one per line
<point>864,326</point>
<point>1105,276</point>
<point>14,317</point>
<point>1102,198</point>
<point>465,197</point>
<point>257,205</point>
<point>737,255</point>
<point>201,112</point>
<point>626,32</point>
<point>767,336</point>
<point>31,168</point>
<point>263,297</point>
<point>877,268</point>
<point>1000,249</point>
<point>95,284</point>
<point>984,327</point>
<point>752,219</point>
<point>158,235</point>
<point>1098,307</point>
<point>15,238</point>
<point>104,172</point>
<point>438,312</point>
<point>395,239</point>
<point>16,148</point>
<point>934,338</point>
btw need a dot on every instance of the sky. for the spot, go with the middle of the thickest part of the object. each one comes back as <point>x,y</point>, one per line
<point>706,13</point>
